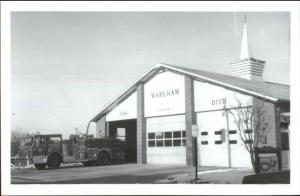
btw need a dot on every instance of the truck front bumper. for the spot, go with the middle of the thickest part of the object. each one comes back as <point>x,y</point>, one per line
<point>39,159</point>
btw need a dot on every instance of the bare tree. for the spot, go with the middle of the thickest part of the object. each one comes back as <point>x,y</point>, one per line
<point>252,126</point>
<point>16,137</point>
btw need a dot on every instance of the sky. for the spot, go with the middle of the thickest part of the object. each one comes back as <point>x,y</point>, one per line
<point>66,66</point>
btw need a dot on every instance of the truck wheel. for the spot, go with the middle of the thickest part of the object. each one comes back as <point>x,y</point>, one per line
<point>54,162</point>
<point>39,166</point>
<point>102,158</point>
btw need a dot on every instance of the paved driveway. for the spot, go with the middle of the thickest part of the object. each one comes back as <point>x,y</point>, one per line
<point>110,174</point>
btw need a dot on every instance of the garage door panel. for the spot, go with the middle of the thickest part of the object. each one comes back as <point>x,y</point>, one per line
<point>168,155</point>
<point>212,143</point>
<point>166,140</point>
<point>240,157</point>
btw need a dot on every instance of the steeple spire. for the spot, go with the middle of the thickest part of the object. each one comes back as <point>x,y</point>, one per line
<point>247,67</point>
<point>245,48</point>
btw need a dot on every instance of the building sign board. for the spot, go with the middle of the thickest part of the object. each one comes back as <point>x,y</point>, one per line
<point>164,95</point>
<point>268,162</point>
<point>210,97</point>
<point>125,110</point>
<point>195,130</point>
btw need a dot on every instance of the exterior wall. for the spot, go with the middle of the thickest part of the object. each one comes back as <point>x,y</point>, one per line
<point>271,114</point>
<point>218,144</point>
<point>285,159</point>
<point>190,119</point>
<point>284,108</point>
<point>101,127</point>
<point>209,97</point>
<point>273,135</point>
<point>125,110</point>
<point>164,95</point>
<point>141,127</point>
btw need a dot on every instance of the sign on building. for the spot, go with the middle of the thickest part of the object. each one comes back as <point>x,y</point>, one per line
<point>165,95</point>
<point>125,110</point>
<point>210,97</point>
<point>195,130</point>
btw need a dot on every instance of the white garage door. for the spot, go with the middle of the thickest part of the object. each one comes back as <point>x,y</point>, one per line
<point>166,140</point>
<point>240,157</point>
<point>212,142</point>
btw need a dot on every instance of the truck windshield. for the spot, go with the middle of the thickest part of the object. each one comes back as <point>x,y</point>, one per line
<point>54,140</point>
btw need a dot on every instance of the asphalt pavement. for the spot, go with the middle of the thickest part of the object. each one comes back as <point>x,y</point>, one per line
<point>108,174</point>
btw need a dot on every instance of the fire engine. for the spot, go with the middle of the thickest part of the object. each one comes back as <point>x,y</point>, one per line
<point>51,150</point>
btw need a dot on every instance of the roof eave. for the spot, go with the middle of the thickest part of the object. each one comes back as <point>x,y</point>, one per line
<point>153,70</point>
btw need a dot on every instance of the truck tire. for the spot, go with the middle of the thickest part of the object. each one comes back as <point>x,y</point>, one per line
<point>102,159</point>
<point>39,166</point>
<point>54,162</point>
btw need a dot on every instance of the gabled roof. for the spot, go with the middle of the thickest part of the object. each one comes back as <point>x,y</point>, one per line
<point>264,90</point>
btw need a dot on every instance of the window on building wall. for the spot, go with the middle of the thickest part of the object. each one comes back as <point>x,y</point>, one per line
<point>151,143</point>
<point>248,141</point>
<point>284,128</point>
<point>167,139</point>
<point>218,142</point>
<point>121,133</point>
<point>151,135</point>
<point>168,142</point>
<point>168,135</point>
<point>248,131</point>
<point>285,141</point>
<point>232,141</point>
<point>177,134</point>
<point>176,142</point>
<point>284,125</point>
<point>159,135</point>
<point>218,132</point>
<point>159,143</point>
<point>151,139</point>
<point>183,134</point>
<point>232,131</point>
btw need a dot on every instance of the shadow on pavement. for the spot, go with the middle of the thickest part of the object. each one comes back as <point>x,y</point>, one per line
<point>121,179</point>
<point>282,177</point>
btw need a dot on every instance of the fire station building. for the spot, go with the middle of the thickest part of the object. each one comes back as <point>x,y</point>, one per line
<point>156,114</point>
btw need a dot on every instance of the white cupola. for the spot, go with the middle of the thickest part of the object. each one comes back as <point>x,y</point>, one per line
<point>247,67</point>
